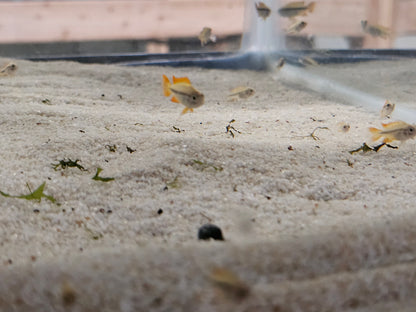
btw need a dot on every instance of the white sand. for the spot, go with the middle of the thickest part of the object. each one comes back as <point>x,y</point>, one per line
<point>304,230</point>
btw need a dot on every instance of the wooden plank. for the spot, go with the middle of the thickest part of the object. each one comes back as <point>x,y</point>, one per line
<point>405,18</point>
<point>47,21</point>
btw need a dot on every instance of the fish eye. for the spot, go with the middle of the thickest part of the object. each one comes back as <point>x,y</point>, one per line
<point>411,129</point>
<point>194,98</point>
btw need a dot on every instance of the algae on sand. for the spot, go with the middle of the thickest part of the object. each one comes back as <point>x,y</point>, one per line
<point>35,195</point>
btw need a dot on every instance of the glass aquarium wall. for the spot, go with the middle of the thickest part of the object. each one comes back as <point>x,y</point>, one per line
<point>325,44</point>
<point>30,28</point>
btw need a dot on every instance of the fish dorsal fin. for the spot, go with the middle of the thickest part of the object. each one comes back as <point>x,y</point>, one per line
<point>181,80</point>
<point>295,5</point>
<point>382,28</point>
<point>261,5</point>
<point>237,90</point>
<point>394,125</point>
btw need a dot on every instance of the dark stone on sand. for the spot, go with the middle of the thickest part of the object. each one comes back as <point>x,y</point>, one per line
<point>208,231</point>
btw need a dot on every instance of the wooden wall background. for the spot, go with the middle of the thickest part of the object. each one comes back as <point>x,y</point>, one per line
<point>51,21</point>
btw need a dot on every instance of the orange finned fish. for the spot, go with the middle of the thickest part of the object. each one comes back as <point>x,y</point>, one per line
<point>387,109</point>
<point>205,36</point>
<point>263,10</point>
<point>296,8</point>
<point>393,131</point>
<point>8,70</point>
<point>375,30</point>
<point>183,92</point>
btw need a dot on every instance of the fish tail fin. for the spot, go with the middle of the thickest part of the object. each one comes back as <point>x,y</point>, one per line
<point>375,133</point>
<point>311,6</point>
<point>166,86</point>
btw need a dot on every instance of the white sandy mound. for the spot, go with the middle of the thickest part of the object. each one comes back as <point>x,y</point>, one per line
<point>308,226</point>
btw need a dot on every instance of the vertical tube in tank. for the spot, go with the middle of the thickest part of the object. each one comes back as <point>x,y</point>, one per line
<point>259,35</point>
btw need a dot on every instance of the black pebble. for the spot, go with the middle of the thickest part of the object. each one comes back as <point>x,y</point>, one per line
<point>160,211</point>
<point>208,231</point>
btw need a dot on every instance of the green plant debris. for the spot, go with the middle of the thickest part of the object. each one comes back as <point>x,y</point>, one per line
<point>174,184</point>
<point>111,148</point>
<point>94,235</point>
<point>365,148</point>
<point>200,165</point>
<point>350,163</point>
<point>316,119</point>
<point>177,130</point>
<point>35,195</point>
<point>98,178</point>
<point>46,101</point>
<point>313,136</point>
<point>68,163</point>
<point>229,128</point>
<point>130,150</point>
<point>376,148</point>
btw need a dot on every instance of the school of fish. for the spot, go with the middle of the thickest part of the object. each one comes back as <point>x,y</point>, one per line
<point>183,92</point>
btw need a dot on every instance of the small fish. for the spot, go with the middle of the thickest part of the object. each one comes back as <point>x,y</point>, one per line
<point>8,70</point>
<point>262,10</point>
<point>343,127</point>
<point>205,36</point>
<point>393,131</point>
<point>241,93</point>
<point>296,27</point>
<point>183,92</point>
<point>229,283</point>
<point>296,8</point>
<point>375,30</point>
<point>387,109</point>
<point>308,61</point>
<point>280,63</point>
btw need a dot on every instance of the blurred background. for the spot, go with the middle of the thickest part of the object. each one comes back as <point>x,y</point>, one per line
<point>40,28</point>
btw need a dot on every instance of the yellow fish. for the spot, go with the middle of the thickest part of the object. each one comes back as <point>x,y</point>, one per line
<point>296,27</point>
<point>375,30</point>
<point>263,10</point>
<point>205,36</point>
<point>393,131</point>
<point>8,70</point>
<point>343,127</point>
<point>229,282</point>
<point>296,8</point>
<point>308,61</point>
<point>241,93</point>
<point>183,92</point>
<point>280,63</point>
<point>387,109</point>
